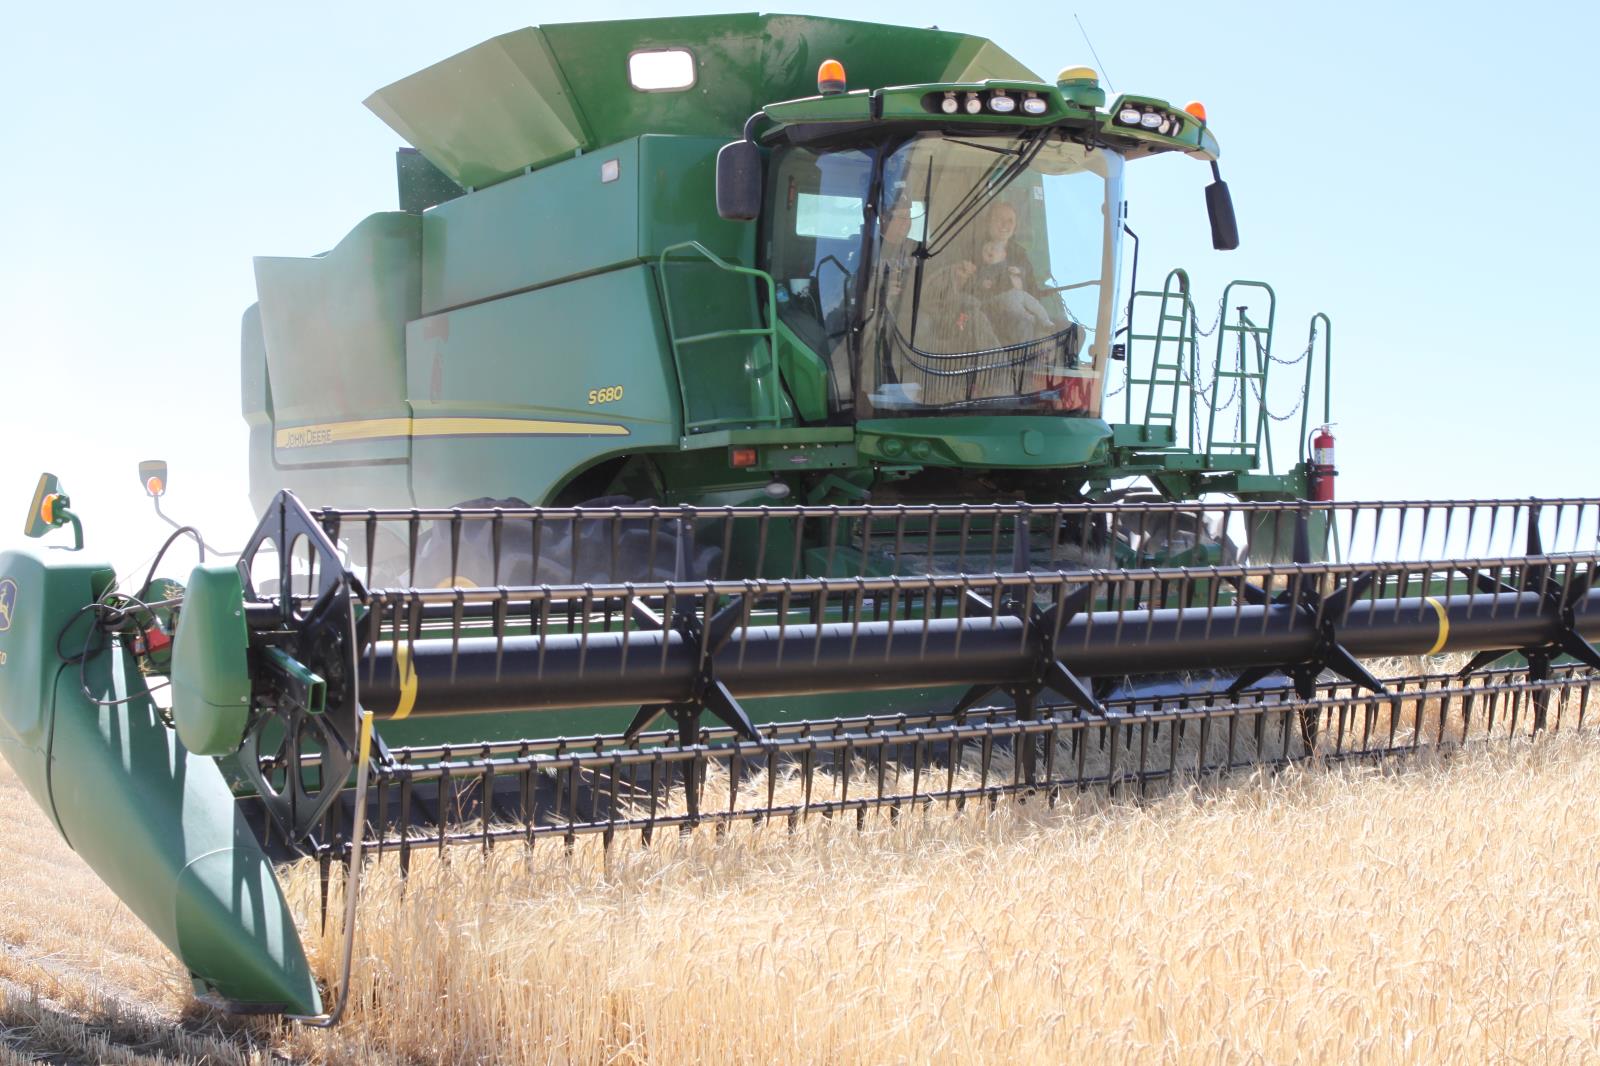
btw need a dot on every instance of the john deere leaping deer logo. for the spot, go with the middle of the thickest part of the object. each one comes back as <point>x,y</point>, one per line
<point>8,602</point>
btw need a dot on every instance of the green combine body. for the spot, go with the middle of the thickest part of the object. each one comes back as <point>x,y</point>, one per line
<point>558,313</point>
<point>865,277</point>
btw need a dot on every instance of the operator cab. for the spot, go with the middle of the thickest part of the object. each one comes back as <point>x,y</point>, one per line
<point>949,271</point>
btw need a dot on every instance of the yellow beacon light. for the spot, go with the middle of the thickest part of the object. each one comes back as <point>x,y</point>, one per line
<point>830,77</point>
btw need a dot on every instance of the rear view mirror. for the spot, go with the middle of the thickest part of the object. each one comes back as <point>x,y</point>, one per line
<point>739,181</point>
<point>1219,205</point>
<point>41,513</point>
<point>51,509</point>
<point>153,476</point>
<point>153,479</point>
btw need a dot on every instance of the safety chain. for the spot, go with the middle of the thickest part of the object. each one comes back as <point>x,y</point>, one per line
<point>1196,324</point>
<point>1206,393</point>
<point>1304,393</point>
<point>1302,357</point>
<point>1256,388</point>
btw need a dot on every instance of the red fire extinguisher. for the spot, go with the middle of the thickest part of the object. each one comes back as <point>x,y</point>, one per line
<point>1322,471</point>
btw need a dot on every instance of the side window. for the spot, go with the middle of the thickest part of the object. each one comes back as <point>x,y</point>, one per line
<point>826,215</point>
<point>818,215</point>
<point>661,70</point>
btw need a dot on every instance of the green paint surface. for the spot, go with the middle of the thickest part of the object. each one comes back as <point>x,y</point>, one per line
<point>536,95</point>
<point>579,283</point>
<point>157,824</point>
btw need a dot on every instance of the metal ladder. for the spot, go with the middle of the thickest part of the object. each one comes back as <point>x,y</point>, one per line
<point>1173,358</point>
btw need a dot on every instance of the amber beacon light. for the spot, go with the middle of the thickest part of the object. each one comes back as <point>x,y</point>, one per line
<point>830,77</point>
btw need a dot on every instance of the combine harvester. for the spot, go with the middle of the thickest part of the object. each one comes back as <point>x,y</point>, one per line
<point>838,400</point>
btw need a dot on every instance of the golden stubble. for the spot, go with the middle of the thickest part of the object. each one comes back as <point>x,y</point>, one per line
<point>1435,910</point>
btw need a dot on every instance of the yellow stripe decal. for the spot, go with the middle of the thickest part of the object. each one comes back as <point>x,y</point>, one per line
<point>408,682</point>
<point>1444,626</point>
<point>323,433</point>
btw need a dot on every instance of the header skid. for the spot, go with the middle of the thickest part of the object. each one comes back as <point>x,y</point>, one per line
<point>536,95</point>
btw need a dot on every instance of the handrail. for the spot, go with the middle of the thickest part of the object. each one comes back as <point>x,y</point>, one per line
<point>1241,376</point>
<point>765,376</point>
<point>1249,373</point>
<point>1327,380</point>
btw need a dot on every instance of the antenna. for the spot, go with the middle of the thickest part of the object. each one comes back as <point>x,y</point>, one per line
<point>1092,52</point>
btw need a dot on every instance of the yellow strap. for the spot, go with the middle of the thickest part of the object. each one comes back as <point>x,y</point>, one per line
<point>366,735</point>
<point>408,682</point>
<point>1444,626</point>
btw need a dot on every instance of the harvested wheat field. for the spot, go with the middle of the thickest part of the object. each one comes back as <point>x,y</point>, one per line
<point>1428,911</point>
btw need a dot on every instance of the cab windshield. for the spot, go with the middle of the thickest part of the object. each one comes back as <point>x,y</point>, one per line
<point>951,272</point>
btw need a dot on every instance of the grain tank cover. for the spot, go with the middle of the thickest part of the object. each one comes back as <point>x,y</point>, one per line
<point>536,95</point>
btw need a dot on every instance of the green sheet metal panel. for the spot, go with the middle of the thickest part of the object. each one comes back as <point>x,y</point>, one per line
<point>720,384</point>
<point>334,332</point>
<point>986,441</point>
<point>157,824</point>
<point>678,199</point>
<point>533,96</point>
<point>677,203</point>
<point>564,220</point>
<point>254,400</point>
<point>210,662</point>
<point>483,115</point>
<point>421,184</point>
<point>37,601</point>
<point>349,482</point>
<point>517,374</point>
<point>256,405</point>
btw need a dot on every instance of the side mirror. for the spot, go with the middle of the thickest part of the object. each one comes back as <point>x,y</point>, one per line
<point>153,476</point>
<point>41,513</point>
<point>1219,205</point>
<point>739,176</point>
<point>51,509</point>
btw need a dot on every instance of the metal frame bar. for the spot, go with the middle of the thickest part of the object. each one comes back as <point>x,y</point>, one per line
<point>577,788</point>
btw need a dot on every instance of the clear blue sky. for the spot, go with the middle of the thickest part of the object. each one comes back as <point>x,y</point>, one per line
<point>1425,175</point>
